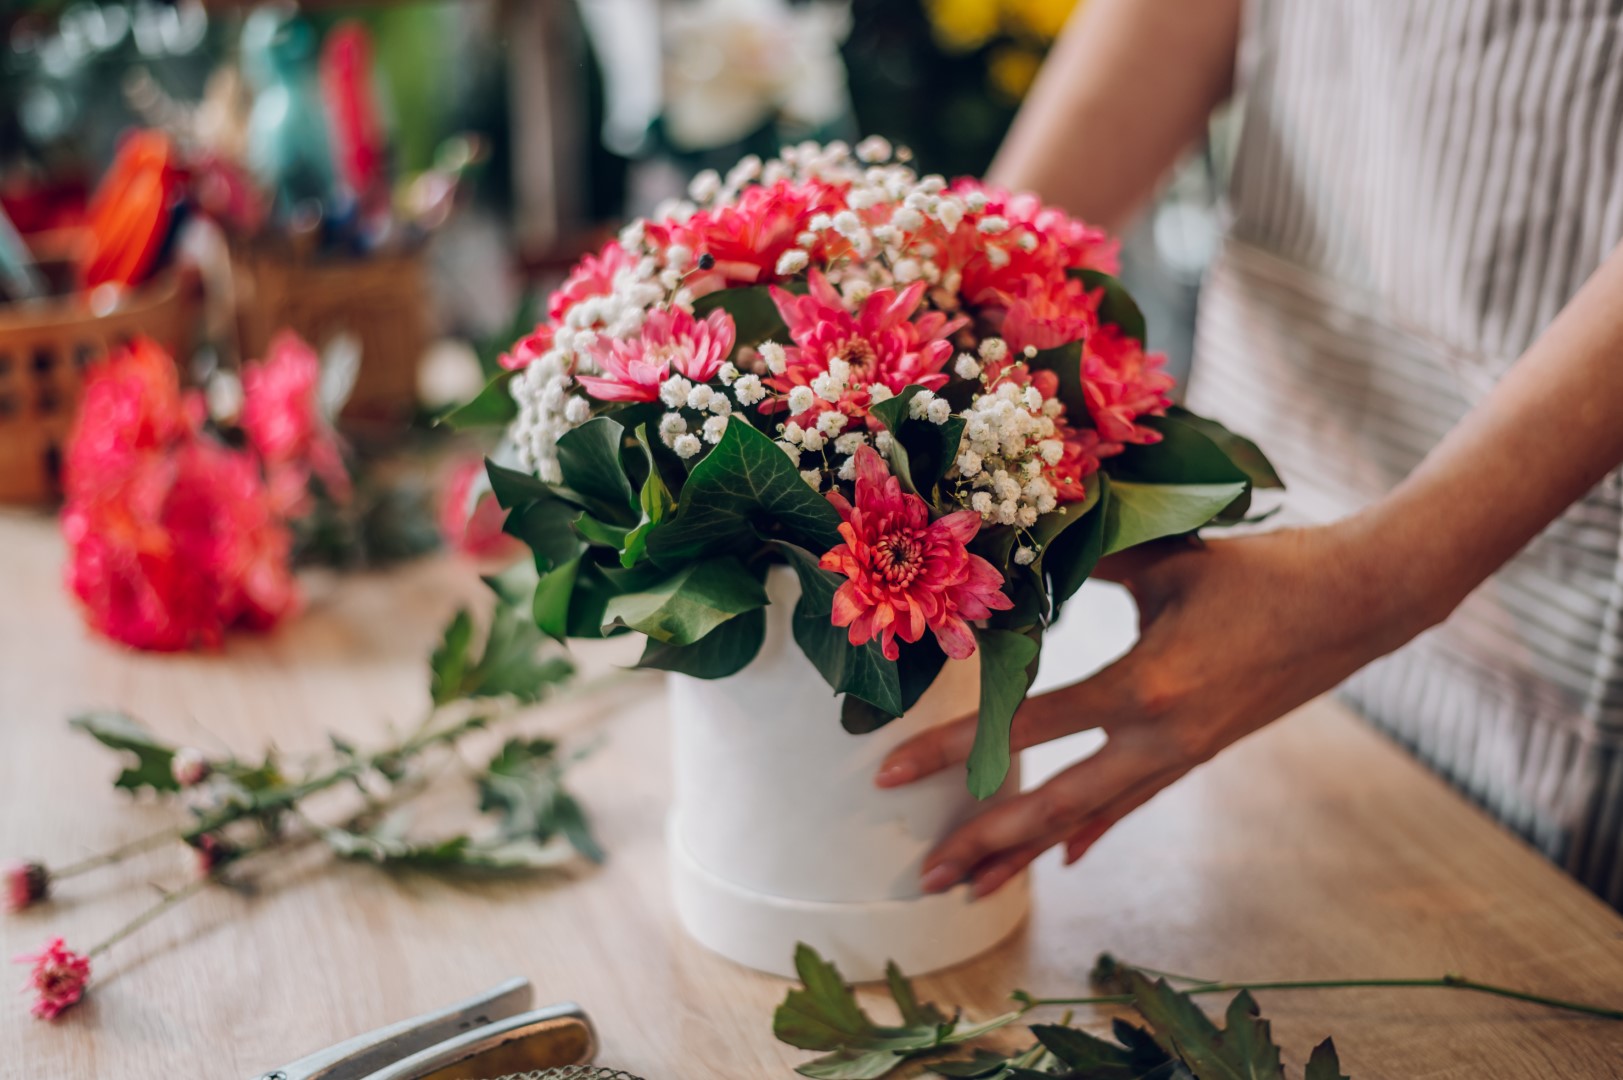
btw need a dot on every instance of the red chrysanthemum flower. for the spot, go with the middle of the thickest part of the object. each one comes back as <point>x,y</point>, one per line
<point>57,978</point>
<point>23,884</point>
<point>746,238</point>
<point>882,342</point>
<point>130,407</point>
<point>1123,383</point>
<point>283,419</point>
<point>1058,242</point>
<point>1047,313</point>
<point>905,573</point>
<point>672,342</point>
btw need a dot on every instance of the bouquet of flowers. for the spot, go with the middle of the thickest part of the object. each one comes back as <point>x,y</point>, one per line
<point>930,399</point>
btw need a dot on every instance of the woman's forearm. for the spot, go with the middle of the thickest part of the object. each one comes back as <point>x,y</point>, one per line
<point>1127,88</point>
<point>1548,432</point>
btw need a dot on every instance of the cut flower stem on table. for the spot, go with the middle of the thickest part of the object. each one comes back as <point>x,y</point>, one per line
<point>1176,1042</point>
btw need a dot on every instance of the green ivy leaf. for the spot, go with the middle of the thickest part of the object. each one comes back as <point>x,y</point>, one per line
<point>654,499</point>
<point>547,527</point>
<point>589,458</point>
<point>154,758</point>
<point>686,605</point>
<point>1324,1064</point>
<point>491,407</point>
<point>755,316</point>
<point>448,663</point>
<point>1139,513</point>
<point>1006,657</point>
<point>509,665</point>
<point>917,666</point>
<point>745,488</point>
<point>860,671</point>
<point>726,650</point>
<point>920,452</point>
<point>1118,308</point>
<point>513,487</point>
<point>552,598</point>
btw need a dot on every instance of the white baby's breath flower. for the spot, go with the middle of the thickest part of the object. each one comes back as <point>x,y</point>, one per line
<point>1024,555</point>
<point>671,425</point>
<point>848,469</point>
<point>806,239</point>
<point>713,428</point>
<point>1052,450</point>
<point>879,392</point>
<point>686,446</point>
<point>674,391</point>
<point>992,224</point>
<point>981,502</point>
<point>873,148</point>
<point>728,373</point>
<point>994,349</point>
<point>748,389</point>
<point>706,185</point>
<point>814,477</point>
<point>1007,510</point>
<point>699,397</point>
<point>847,224</point>
<point>792,262</point>
<point>801,398</point>
<point>791,449</point>
<point>883,441</point>
<point>777,361</point>
<point>793,432</point>
<point>821,223</point>
<point>720,405</point>
<point>938,411</point>
<point>747,169</point>
<point>678,257</point>
<point>907,219</point>
<point>857,290</point>
<point>850,442</point>
<point>998,257</point>
<point>967,367</point>
<point>907,271</point>
<point>969,463</point>
<point>976,200</point>
<point>1029,351</point>
<point>1033,398</point>
<point>919,407</point>
<point>812,440</point>
<point>1026,516</point>
<point>950,212</point>
<point>577,410</point>
<point>831,423</point>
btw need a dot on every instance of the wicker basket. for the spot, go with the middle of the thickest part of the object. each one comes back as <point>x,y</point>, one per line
<point>382,300</point>
<point>45,347</point>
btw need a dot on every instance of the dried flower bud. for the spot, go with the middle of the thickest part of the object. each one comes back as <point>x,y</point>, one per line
<point>189,767</point>
<point>57,978</point>
<point>23,884</point>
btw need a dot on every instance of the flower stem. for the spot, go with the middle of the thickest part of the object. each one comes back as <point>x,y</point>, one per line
<point>169,900</point>
<point>1449,982</point>
<point>107,858</point>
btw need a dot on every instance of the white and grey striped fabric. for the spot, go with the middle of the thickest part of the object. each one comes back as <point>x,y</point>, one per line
<point>1420,186</point>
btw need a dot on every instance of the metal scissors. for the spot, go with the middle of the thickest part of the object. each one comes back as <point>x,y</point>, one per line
<point>489,1035</point>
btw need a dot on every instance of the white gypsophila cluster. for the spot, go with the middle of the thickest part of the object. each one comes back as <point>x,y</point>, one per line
<point>1010,438</point>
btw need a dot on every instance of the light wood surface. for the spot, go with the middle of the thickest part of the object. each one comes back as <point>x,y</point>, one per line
<point>1314,850</point>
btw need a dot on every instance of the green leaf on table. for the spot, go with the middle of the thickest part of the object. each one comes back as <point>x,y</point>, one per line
<point>1006,658</point>
<point>746,489</point>
<point>1324,1064</point>
<point>388,845</point>
<point>1138,513</point>
<point>1243,1050</point>
<point>523,785</point>
<point>920,452</point>
<point>1118,308</point>
<point>1087,1054</point>
<point>726,650</point>
<point>510,664</point>
<point>493,406</point>
<point>154,758</point>
<point>755,316</point>
<point>589,459</point>
<point>684,606</point>
<point>859,670</point>
<point>823,1014</point>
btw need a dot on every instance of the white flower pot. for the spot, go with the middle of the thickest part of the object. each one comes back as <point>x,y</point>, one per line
<point>778,834</point>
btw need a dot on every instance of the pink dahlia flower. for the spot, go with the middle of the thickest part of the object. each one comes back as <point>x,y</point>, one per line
<point>1123,383</point>
<point>881,341</point>
<point>23,884</point>
<point>526,349</point>
<point>746,239</point>
<point>672,343</point>
<point>283,419</point>
<point>592,276</point>
<point>1048,313</point>
<point>905,572</point>
<point>471,519</point>
<point>57,978</point>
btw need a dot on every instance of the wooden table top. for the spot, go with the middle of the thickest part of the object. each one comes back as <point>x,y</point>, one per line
<point>1313,850</point>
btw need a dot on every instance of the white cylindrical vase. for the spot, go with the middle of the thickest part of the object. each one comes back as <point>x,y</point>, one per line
<point>778,834</point>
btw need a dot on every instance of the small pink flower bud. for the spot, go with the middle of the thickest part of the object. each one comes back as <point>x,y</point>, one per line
<point>213,853</point>
<point>57,979</point>
<point>23,884</point>
<point>189,766</point>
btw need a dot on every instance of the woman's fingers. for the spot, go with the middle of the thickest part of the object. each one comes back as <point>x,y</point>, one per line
<point>1105,818</point>
<point>1042,817</point>
<point>1097,702</point>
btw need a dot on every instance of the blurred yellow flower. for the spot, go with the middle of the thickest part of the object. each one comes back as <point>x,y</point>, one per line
<point>963,25</point>
<point>1011,69</point>
<point>1042,19</point>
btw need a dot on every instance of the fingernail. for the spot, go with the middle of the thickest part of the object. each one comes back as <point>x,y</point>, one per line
<point>941,878</point>
<point>895,774</point>
<point>989,882</point>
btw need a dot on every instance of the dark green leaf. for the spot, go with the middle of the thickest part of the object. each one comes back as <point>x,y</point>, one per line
<point>589,458</point>
<point>982,1063</point>
<point>1066,362</point>
<point>460,852</point>
<point>686,605</point>
<point>745,488</point>
<point>853,1065</point>
<point>921,452</point>
<point>917,666</point>
<point>726,650</point>
<point>547,527</point>
<point>654,499</point>
<point>491,407</point>
<point>513,488</point>
<point>523,785</point>
<point>850,669</point>
<point>755,316</point>
<point>1243,1051</point>
<point>596,532</point>
<point>1005,658</point>
<point>550,602</point>
<point>154,758</point>
<point>1240,450</point>
<point>1138,513</point>
<point>1092,1056</point>
<point>822,1014</point>
<point>907,1001</point>
<point>1324,1064</point>
<point>449,661</point>
<point>510,664</point>
<point>515,585</point>
<point>1071,554</point>
<point>1118,308</point>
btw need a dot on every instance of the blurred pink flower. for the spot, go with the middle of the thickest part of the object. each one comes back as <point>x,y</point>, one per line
<point>470,517</point>
<point>283,418</point>
<point>673,342</point>
<point>57,978</point>
<point>23,884</point>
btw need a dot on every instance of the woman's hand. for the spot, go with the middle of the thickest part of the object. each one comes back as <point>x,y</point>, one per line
<point>1233,634</point>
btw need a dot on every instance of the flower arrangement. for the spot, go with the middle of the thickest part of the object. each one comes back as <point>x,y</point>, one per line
<point>930,399</point>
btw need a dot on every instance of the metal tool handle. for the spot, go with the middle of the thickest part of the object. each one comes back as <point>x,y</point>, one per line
<point>365,1054</point>
<point>558,1035</point>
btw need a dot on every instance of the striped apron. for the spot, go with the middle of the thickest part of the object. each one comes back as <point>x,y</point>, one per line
<point>1419,187</point>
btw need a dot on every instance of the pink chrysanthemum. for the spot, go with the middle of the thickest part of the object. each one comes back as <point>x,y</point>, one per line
<point>905,572</point>
<point>592,276</point>
<point>882,342</point>
<point>746,239</point>
<point>673,342</point>
<point>1057,243</point>
<point>526,349</point>
<point>1047,313</point>
<point>1123,383</point>
<point>57,978</point>
<point>283,419</point>
<point>23,884</point>
<point>471,519</point>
